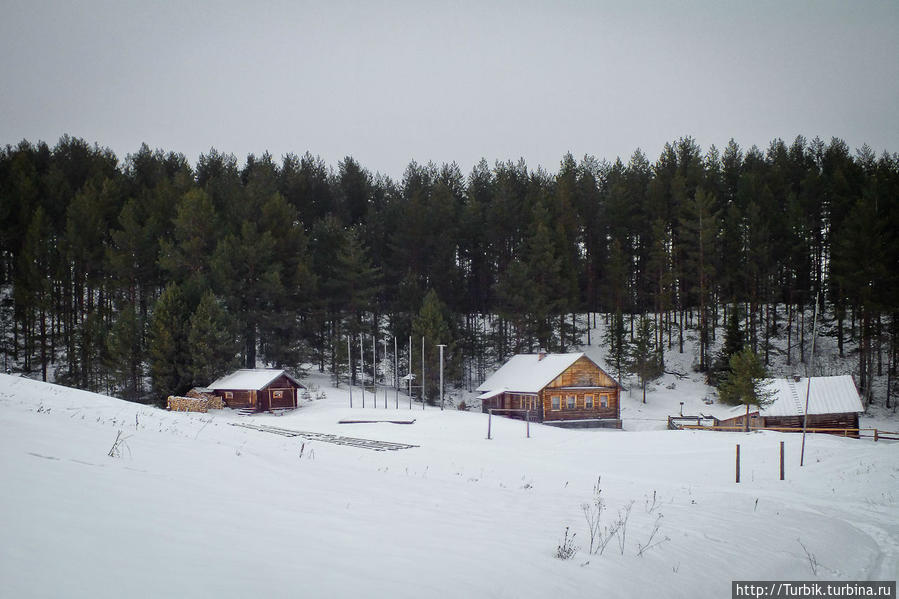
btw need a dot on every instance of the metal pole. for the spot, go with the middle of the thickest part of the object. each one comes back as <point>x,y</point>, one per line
<point>410,372</point>
<point>384,341</point>
<point>808,388</point>
<point>362,368</point>
<point>349,366</point>
<point>422,372</point>
<point>738,462</point>
<point>374,367</point>
<point>441,375</point>
<point>396,375</point>
<point>527,416</point>
<point>489,421</point>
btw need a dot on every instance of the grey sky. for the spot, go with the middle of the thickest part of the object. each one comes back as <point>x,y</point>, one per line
<point>388,82</point>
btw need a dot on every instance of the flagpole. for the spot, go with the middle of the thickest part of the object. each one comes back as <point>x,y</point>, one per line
<point>808,388</point>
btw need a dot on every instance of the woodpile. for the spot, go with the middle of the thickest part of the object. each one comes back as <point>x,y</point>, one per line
<point>213,401</point>
<point>190,404</point>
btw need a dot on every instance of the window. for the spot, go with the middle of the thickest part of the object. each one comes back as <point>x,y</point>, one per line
<point>277,394</point>
<point>569,400</point>
<point>604,401</point>
<point>556,402</point>
<point>229,395</point>
<point>588,402</point>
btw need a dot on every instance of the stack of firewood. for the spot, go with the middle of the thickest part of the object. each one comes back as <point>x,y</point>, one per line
<point>213,401</point>
<point>187,404</point>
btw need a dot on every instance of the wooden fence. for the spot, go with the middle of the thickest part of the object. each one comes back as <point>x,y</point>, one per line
<point>863,433</point>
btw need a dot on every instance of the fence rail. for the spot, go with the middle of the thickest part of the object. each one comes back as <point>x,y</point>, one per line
<point>865,433</point>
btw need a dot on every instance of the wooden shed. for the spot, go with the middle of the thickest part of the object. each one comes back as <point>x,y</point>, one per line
<point>261,389</point>
<point>568,390</point>
<point>833,402</point>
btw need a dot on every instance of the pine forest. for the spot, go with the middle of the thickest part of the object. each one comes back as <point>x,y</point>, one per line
<point>145,275</point>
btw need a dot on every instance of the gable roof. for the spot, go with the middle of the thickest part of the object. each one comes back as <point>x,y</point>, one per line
<point>828,395</point>
<point>253,379</point>
<point>527,373</point>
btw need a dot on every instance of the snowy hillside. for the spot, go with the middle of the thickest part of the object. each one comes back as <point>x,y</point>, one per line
<point>195,507</point>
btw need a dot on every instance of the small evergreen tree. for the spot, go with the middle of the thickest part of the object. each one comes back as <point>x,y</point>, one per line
<point>615,339</point>
<point>745,383</point>
<point>168,345</point>
<point>733,344</point>
<point>643,359</point>
<point>210,342</point>
<point>124,348</point>
<point>433,324</point>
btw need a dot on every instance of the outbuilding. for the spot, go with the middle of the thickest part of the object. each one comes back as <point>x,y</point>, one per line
<point>568,390</point>
<point>261,389</point>
<point>833,403</point>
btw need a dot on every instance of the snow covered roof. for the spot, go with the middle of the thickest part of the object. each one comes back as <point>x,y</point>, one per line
<point>528,373</point>
<point>250,378</point>
<point>828,395</point>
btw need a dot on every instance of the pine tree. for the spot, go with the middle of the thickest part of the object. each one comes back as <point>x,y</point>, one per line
<point>615,339</point>
<point>169,362</point>
<point>733,344</point>
<point>745,384</point>
<point>210,342</point>
<point>643,359</point>
<point>432,324</point>
<point>124,352</point>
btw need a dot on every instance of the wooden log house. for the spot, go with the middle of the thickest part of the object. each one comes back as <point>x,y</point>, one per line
<point>261,389</point>
<point>833,402</point>
<point>568,390</point>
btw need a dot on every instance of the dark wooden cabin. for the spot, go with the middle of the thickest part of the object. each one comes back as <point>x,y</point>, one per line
<point>560,389</point>
<point>833,403</point>
<point>261,389</point>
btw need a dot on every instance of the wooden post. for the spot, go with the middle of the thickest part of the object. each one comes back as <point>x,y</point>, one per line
<point>738,462</point>
<point>527,416</point>
<point>781,460</point>
<point>489,421</point>
<point>875,435</point>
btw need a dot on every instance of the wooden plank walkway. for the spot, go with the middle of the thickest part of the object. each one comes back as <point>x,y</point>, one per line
<point>327,438</point>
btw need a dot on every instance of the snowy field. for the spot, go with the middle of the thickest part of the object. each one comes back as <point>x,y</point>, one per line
<point>195,507</point>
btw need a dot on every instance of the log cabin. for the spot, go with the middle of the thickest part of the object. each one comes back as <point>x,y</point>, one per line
<point>261,389</point>
<point>833,402</point>
<point>567,390</point>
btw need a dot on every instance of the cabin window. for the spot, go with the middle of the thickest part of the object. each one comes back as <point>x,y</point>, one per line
<point>277,394</point>
<point>588,402</point>
<point>557,402</point>
<point>229,395</point>
<point>570,402</point>
<point>604,401</point>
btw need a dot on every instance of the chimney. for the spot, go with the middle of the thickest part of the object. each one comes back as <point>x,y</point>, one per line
<point>541,353</point>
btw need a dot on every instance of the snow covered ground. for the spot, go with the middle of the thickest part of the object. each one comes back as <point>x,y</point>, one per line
<point>195,507</point>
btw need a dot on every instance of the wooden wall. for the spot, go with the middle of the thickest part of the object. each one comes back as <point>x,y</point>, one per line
<point>581,379</point>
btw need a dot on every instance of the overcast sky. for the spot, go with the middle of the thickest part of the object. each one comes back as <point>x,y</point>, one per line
<point>388,82</point>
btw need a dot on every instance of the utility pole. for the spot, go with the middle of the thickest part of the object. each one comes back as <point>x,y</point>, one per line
<point>808,388</point>
<point>349,366</point>
<point>374,367</point>
<point>384,341</point>
<point>441,346</point>
<point>396,375</point>
<point>422,372</point>
<point>410,372</point>
<point>362,368</point>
